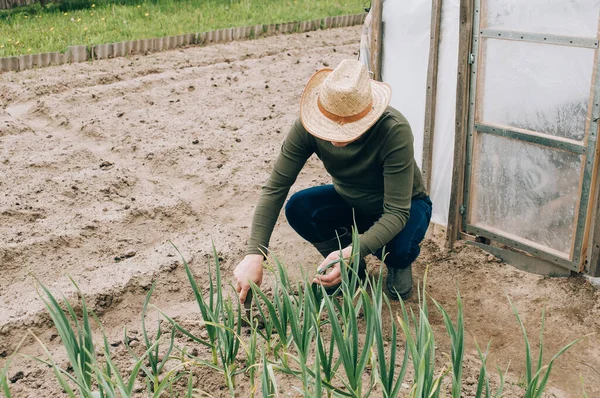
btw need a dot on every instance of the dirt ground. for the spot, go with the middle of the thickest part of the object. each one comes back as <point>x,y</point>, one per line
<point>101,164</point>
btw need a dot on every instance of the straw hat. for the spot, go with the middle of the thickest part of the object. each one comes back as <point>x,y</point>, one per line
<point>341,104</point>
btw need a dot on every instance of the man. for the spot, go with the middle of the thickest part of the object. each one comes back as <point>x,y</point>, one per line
<point>367,148</point>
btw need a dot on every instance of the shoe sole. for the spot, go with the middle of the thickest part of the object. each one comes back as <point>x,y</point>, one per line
<point>404,296</point>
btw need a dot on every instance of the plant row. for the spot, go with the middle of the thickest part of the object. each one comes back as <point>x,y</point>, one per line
<point>333,345</point>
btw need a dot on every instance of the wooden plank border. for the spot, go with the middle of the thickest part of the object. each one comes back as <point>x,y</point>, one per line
<point>144,46</point>
<point>431,94</point>
<point>461,122</point>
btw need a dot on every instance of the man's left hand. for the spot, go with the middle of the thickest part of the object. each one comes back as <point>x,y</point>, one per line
<point>333,277</point>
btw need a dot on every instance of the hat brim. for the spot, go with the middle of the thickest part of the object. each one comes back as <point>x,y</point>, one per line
<point>319,125</point>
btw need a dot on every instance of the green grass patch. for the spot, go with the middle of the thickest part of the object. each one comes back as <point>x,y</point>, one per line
<point>34,29</point>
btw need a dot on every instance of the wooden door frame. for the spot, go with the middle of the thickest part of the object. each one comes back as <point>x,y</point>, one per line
<point>588,257</point>
<point>463,79</point>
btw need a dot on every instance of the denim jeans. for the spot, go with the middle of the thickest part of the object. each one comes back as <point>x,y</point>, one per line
<point>317,213</point>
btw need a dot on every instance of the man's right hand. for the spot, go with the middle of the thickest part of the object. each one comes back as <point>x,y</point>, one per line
<point>249,269</point>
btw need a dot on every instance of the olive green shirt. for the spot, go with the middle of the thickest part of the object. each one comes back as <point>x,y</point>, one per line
<point>376,174</point>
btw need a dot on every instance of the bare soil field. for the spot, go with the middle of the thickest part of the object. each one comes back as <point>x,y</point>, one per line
<point>101,164</point>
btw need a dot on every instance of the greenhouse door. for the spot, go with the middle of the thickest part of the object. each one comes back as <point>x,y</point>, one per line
<point>533,124</point>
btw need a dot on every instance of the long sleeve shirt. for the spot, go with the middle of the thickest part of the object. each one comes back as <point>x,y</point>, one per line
<point>376,174</point>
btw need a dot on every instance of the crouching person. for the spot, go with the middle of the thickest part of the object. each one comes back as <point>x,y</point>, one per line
<point>367,148</point>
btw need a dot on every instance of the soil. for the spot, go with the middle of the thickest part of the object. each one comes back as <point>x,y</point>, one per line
<point>104,163</point>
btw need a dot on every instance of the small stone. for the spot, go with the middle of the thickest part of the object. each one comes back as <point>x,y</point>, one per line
<point>134,343</point>
<point>204,335</point>
<point>195,142</point>
<point>238,140</point>
<point>138,386</point>
<point>120,114</point>
<point>106,164</point>
<point>491,258</point>
<point>17,376</point>
<point>129,254</point>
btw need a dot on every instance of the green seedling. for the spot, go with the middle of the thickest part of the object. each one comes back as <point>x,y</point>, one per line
<point>302,329</point>
<point>76,336</point>
<point>483,382</point>
<point>4,382</point>
<point>267,379</point>
<point>457,342</point>
<point>156,365</point>
<point>211,309</point>
<point>251,359</point>
<point>537,377</point>
<point>386,367</point>
<point>354,353</point>
<point>422,349</point>
<point>222,322</point>
<point>273,316</point>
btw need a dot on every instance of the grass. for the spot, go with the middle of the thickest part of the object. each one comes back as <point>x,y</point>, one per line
<point>33,29</point>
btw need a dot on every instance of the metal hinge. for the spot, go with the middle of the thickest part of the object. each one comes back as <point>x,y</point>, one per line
<point>471,59</point>
<point>462,209</point>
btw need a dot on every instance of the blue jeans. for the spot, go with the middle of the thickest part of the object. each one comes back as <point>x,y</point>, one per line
<point>317,213</point>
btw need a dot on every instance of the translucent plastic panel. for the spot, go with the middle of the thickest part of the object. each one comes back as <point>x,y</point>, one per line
<point>540,87</point>
<point>525,190</point>
<point>558,17</point>
<point>407,32</point>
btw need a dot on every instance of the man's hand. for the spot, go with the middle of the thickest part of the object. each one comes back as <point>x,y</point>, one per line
<point>334,276</point>
<point>249,269</point>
